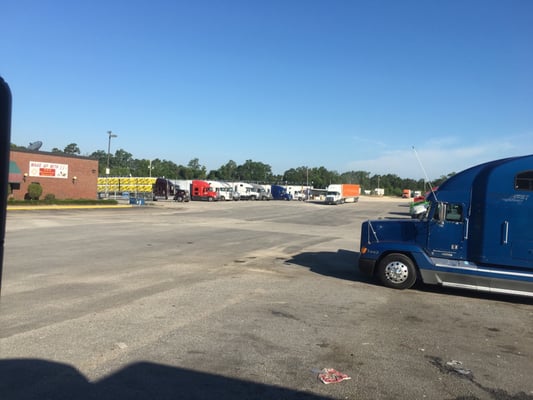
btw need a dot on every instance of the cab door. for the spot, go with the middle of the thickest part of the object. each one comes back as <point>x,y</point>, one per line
<point>447,231</point>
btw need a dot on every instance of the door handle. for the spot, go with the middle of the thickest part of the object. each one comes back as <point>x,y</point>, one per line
<point>505,232</point>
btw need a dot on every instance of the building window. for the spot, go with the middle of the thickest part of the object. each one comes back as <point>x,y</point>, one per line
<point>524,181</point>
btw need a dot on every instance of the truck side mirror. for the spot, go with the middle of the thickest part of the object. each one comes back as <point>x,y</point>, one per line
<point>442,212</point>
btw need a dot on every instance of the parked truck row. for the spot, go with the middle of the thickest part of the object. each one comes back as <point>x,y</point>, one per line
<point>185,190</point>
<point>216,190</point>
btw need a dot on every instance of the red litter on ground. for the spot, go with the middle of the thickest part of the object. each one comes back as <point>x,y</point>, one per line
<point>330,375</point>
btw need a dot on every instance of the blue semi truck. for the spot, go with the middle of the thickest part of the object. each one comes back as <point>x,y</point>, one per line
<point>477,234</point>
<point>280,193</point>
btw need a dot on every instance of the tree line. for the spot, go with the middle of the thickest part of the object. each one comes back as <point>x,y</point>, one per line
<point>122,163</point>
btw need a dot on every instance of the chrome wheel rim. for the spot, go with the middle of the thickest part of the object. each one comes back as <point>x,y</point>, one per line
<point>396,272</point>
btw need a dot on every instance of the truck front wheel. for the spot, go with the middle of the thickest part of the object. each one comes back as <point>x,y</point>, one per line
<point>397,271</point>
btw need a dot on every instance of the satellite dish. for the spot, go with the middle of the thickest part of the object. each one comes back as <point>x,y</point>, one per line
<point>35,145</point>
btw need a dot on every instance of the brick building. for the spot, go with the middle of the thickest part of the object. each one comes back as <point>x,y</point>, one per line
<point>64,176</point>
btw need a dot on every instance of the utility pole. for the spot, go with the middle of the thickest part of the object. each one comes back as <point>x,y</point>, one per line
<point>111,135</point>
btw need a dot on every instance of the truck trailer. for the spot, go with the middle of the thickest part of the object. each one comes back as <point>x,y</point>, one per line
<point>343,193</point>
<point>476,234</point>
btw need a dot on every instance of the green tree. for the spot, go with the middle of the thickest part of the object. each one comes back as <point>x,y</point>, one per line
<point>227,172</point>
<point>254,171</point>
<point>72,149</point>
<point>296,175</point>
<point>321,177</point>
<point>120,164</point>
<point>358,177</point>
<point>198,170</point>
<point>139,167</point>
<point>184,172</point>
<point>213,176</point>
<point>35,191</point>
<point>167,169</point>
<point>101,156</point>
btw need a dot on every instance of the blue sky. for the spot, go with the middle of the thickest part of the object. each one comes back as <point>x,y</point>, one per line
<point>348,85</point>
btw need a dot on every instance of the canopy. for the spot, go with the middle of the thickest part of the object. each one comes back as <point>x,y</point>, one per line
<point>15,176</point>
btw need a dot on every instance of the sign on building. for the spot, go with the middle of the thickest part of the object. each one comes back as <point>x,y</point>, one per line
<point>48,170</point>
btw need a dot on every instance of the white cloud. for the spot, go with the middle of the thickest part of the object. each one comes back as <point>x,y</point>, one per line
<point>442,156</point>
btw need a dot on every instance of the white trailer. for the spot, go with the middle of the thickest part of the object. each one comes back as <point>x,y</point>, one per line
<point>182,184</point>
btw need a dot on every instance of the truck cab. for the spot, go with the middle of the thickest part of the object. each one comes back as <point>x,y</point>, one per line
<point>182,195</point>
<point>162,189</point>
<point>261,192</point>
<point>201,190</point>
<point>245,191</point>
<point>333,195</point>
<point>342,193</point>
<point>280,193</point>
<point>475,234</point>
<point>225,191</point>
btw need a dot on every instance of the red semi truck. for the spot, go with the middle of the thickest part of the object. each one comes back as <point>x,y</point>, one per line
<point>201,190</point>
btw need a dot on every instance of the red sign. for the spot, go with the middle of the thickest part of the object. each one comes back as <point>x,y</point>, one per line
<point>47,172</point>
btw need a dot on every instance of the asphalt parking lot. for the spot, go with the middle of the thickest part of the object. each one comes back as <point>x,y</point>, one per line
<point>239,300</point>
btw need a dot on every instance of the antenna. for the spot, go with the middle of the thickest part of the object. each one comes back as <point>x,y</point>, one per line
<point>425,174</point>
<point>35,146</point>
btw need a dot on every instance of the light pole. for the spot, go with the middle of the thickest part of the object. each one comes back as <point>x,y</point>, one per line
<point>307,185</point>
<point>111,135</point>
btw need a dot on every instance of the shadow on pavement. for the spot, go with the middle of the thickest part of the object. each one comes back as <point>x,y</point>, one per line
<point>30,379</point>
<point>341,264</point>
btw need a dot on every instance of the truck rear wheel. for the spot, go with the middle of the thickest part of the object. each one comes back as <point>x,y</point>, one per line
<point>397,271</point>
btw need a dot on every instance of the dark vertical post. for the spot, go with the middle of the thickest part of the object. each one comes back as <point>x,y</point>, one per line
<point>5,143</point>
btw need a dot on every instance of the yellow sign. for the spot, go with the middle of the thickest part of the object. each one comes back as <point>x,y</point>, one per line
<point>125,184</point>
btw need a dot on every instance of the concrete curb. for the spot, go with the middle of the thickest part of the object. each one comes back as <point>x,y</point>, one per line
<point>72,207</point>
